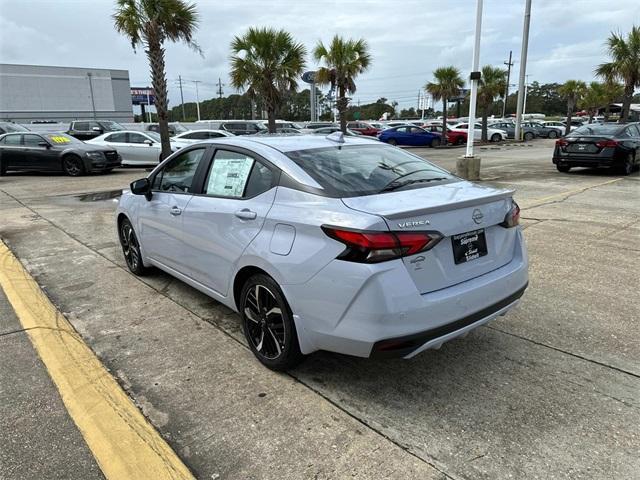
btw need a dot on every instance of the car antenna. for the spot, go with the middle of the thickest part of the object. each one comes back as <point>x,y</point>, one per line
<point>337,137</point>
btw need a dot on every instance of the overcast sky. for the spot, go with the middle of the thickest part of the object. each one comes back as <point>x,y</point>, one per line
<point>408,39</point>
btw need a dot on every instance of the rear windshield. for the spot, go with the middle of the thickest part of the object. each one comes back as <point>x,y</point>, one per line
<point>355,170</point>
<point>599,129</point>
<point>13,127</point>
<point>110,126</point>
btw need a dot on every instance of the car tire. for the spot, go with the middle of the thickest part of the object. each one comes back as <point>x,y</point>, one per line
<point>72,165</point>
<point>460,141</point>
<point>628,165</point>
<point>528,136</point>
<point>496,137</point>
<point>392,141</point>
<point>131,248</point>
<point>553,134</point>
<point>563,168</point>
<point>268,324</point>
<point>3,168</point>
<point>435,143</point>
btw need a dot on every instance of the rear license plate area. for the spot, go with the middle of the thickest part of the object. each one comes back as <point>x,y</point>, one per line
<point>469,246</point>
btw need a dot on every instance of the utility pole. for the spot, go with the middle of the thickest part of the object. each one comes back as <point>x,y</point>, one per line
<point>523,68</point>
<point>184,117</point>
<point>526,91</point>
<point>197,98</point>
<point>220,85</point>
<point>509,64</point>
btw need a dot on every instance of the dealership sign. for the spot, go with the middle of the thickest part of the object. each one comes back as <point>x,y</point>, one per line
<point>142,96</point>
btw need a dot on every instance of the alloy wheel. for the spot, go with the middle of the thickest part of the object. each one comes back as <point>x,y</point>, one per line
<point>130,246</point>
<point>265,322</point>
<point>72,165</point>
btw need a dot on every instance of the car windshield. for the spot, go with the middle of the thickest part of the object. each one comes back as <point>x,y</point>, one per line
<point>596,129</point>
<point>179,128</point>
<point>155,136</point>
<point>354,170</point>
<point>14,127</point>
<point>62,139</point>
<point>111,126</point>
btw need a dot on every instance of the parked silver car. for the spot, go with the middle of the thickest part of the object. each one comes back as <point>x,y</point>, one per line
<point>135,148</point>
<point>328,243</point>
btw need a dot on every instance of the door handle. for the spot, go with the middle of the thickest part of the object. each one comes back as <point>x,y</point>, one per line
<point>175,211</point>
<point>246,214</point>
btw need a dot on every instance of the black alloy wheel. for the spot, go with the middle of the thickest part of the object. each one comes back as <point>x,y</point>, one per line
<point>496,137</point>
<point>268,324</point>
<point>553,134</point>
<point>131,248</point>
<point>627,167</point>
<point>72,165</point>
<point>563,168</point>
<point>528,136</point>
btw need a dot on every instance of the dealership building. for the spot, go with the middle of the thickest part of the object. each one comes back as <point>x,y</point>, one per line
<point>34,93</point>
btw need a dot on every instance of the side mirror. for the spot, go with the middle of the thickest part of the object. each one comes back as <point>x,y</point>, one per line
<point>148,142</point>
<point>96,129</point>
<point>141,187</point>
<point>44,145</point>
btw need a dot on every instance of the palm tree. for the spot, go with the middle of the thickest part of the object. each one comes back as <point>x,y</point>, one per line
<point>147,24</point>
<point>572,91</point>
<point>624,65</point>
<point>268,63</point>
<point>343,61</point>
<point>594,97</point>
<point>447,85</point>
<point>492,85</point>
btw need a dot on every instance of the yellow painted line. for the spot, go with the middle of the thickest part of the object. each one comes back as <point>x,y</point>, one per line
<point>537,201</point>
<point>123,442</point>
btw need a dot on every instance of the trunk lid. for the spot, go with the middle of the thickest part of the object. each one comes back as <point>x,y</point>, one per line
<point>585,145</point>
<point>450,209</point>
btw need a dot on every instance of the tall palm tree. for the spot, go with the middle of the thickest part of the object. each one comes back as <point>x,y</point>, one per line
<point>147,24</point>
<point>594,97</point>
<point>268,63</point>
<point>624,65</point>
<point>447,84</point>
<point>492,85</point>
<point>343,61</point>
<point>572,91</point>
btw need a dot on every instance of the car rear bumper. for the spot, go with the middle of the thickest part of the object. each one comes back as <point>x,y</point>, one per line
<point>376,310</point>
<point>572,160</point>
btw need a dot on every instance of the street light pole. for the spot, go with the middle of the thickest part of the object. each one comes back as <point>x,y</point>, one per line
<point>197,98</point>
<point>509,64</point>
<point>523,69</point>
<point>475,76</point>
<point>93,103</point>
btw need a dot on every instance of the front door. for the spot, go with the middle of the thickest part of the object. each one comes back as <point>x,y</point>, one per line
<point>219,224</point>
<point>161,218</point>
<point>141,151</point>
<point>37,156</point>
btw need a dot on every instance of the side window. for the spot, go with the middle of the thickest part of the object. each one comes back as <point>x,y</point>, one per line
<point>93,125</point>
<point>177,175</point>
<point>117,138</point>
<point>634,130</point>
<point>32,141</point>
<point>137,138</point>
<point>214,135</point>
<point>13,140</point>
<point>81,126</point>
<point>260,180</point>
<point>198,135</point>
<point>228,174</point>
<point>153,128</point>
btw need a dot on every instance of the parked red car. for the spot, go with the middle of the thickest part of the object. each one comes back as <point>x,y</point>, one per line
<point>363,128</point>
<point>453,137</point>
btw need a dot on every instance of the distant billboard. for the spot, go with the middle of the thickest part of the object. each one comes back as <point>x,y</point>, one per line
<point>142,96</point>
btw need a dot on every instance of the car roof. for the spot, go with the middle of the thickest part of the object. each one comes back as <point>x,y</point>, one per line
<point>287,143</point>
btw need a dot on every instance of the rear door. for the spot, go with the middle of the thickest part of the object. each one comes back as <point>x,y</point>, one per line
<point>12,151</point>
<point>219,224</point>
<point>160,219</point>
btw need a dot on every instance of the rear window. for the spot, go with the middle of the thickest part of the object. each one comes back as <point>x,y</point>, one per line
<point>355,170</point>
<point>596,129</point>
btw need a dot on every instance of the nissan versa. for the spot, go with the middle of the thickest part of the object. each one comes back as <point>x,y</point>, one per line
<point>328,243</point>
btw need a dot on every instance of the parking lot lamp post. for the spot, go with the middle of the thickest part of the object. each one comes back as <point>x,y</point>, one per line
<point>468,166</point>
<point>197,98</point>
<point>523,69</point>
<point>93,103</point>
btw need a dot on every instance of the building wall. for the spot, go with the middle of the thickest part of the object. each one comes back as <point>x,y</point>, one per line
<point>30,92</point>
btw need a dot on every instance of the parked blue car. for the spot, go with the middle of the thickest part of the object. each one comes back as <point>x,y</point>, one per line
<point>410,135</point>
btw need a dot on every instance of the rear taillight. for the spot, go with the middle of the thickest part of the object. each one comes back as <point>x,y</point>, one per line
<point>512,218</point>
<point>606,143</point>
<point>373,247</point>
<point>561,142</point>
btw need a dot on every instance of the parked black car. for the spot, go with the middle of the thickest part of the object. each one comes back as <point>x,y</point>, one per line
<point>600,145</point>
<point>88,129</point>
<point>6,127</point>
<point>54,152</point>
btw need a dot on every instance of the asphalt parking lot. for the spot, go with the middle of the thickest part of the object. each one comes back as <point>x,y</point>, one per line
<point>552,390</point>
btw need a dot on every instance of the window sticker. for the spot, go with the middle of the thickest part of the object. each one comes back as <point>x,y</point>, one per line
<point>59,139</point>
<point>229,176</point>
